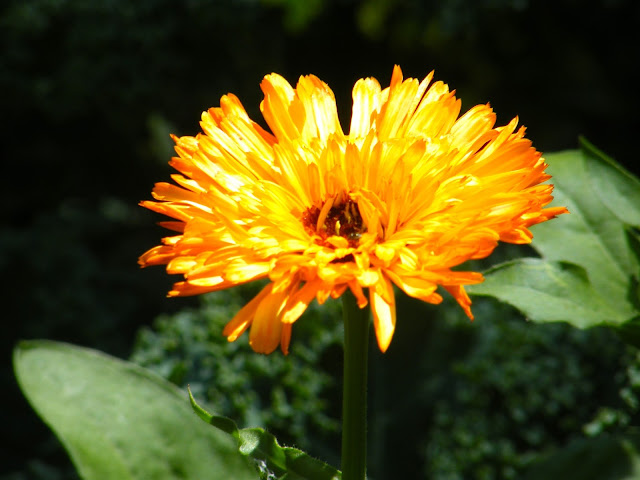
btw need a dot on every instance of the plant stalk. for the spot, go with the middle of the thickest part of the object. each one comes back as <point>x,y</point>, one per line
<point>354,399</point>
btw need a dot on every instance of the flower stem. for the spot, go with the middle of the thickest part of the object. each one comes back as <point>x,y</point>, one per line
<point>354,391</point>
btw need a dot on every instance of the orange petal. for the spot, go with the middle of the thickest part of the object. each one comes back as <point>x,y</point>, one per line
<point>266,328</point>
<point>299,301</point>
<point>243,318</point>
<point>414,286</point>
<point>461,296</point>
<point>356,289</point>
<point>285,338</point>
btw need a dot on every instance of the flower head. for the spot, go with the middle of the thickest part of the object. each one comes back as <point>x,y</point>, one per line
<point>412,191</point>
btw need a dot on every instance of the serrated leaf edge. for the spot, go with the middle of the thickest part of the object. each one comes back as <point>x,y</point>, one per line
<point>282,464</point>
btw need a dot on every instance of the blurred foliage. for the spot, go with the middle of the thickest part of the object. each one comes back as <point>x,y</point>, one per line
<point>413,18</point>
<point>91,90</point>
<point>522,391</point>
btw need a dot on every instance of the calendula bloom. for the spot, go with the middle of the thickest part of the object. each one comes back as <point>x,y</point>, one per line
<point>411,192</point>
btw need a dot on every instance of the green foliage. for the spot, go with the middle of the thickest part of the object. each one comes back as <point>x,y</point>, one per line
<point>591,262</point>
<point>298,15</point>
<point>294,396</point>
<point>603,458</point>
<point>522,391</point>
<point>263,448</point>
<point>118,421</point>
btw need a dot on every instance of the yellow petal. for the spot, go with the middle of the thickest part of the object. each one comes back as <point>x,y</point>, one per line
<point>278,107</point>
<point>366,98</point>
<point>384,312</point>
<point>321,113</point>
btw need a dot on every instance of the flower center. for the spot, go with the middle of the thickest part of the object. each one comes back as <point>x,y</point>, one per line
<point>335,218</point>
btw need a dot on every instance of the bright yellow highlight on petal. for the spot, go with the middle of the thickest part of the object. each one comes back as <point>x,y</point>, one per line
<point>412,191</point>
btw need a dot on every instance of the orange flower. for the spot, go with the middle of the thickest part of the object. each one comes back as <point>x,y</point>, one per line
<point>411,192</point>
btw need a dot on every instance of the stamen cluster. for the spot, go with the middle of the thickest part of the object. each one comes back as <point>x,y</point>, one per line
<point>333,219</point>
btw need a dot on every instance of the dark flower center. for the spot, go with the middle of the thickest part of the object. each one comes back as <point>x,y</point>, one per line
<point>342,220</point>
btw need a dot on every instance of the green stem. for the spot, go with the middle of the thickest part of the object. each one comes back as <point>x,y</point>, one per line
<point>354,399</point>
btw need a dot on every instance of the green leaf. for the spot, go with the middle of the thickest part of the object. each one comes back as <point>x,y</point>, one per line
<point>600,458</point>
<point>552,292</point>
<point>623,201</point>
<point>284,462</point>
<point>590,266</point>
<point>119,421</point>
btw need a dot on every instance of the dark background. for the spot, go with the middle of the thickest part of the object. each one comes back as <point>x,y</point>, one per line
<point>91,90</point>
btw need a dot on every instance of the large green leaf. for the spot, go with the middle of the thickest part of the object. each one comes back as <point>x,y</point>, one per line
<point>284,462</point>
<point>588,274</point>
<point>551,292</point>
<point>601,458</point>
<point>119,421</point>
